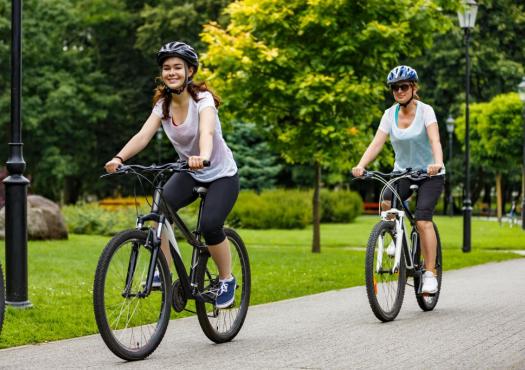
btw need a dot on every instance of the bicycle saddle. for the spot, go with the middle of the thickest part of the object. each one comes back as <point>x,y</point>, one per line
<point>201,190</point>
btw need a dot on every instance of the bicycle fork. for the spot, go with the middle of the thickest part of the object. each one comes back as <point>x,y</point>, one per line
<point>397,216</point>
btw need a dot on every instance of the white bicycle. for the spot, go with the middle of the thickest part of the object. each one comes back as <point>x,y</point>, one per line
<point>391,257</point>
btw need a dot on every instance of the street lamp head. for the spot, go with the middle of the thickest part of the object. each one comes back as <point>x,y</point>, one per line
<point>467,15</point>
<point>521,90</point>
<point>450,124</point>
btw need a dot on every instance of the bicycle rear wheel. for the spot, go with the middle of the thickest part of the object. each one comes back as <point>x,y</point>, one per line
<point>428,302</point>
<point>385,289</point>
<point>2,298</point>
<point>222,325</point>
<point>132,325</point>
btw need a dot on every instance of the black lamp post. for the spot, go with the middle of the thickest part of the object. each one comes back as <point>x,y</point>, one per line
<point>450,130</point>
<point>16,184</point>
<point>467,20</point>
<point>521,91</point>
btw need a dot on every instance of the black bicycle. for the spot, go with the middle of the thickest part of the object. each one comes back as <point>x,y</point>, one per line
<point>2,298</point>
<point>132,314</point>
<point>391,256</point>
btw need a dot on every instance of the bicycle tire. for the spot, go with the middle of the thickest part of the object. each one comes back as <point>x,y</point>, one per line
<point>118,317</point>
<point>2,299</point>
<point>222,325</point>
<point>427,303</point>
<point>386,297</point>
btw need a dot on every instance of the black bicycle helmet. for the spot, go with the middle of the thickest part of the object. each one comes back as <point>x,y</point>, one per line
<point>180,50</point>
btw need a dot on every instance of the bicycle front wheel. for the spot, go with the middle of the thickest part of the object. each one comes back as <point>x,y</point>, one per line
<point>385,288</point>
<point>428,302</point>
<point>222,325</point>
<point>131,324</point>
<point>2,298</point>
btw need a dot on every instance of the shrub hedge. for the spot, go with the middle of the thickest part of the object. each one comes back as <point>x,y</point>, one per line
<point>270,209</point>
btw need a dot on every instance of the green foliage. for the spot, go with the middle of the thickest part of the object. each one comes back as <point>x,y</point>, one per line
<point>92,219</point>
<point>496,60</point>
<point>272,209</point>
<point>312,74</point>
<point>176,20</point>
<point>288,209</point>
<point>258,167</point>
<point>95,220</point>
<point>496,130</point>
<point>340,206</point>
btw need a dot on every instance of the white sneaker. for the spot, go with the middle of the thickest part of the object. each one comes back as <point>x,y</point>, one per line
<point>430,283</point>
<point>391,249</point>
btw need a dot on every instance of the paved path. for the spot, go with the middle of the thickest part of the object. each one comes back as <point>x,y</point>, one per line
<point>479,323</point>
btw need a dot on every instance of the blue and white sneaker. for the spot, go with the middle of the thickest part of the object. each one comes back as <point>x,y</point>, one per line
<point>226,293</point>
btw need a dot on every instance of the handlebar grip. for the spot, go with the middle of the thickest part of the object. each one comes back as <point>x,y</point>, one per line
<point>206,163</point>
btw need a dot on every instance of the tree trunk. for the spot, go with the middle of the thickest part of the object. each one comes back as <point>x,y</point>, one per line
<point>498,197</point>
<point>316,242</point>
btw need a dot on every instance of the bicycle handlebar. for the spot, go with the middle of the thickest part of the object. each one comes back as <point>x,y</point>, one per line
<point>178,166</point>
<point>417,174</point>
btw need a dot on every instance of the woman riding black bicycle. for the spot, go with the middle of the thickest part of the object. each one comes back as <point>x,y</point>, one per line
<point>188,114</point>
<point>414,133</point>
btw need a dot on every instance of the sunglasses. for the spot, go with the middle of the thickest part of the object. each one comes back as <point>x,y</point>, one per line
<point>402,87</point>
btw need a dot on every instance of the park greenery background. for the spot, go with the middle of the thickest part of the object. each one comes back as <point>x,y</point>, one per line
<point>303,89</point>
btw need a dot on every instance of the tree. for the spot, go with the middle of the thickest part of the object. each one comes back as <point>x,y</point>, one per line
<point>312,73</point>
<point>181,20</point>
<point>258,167</point>
<point>496,132</point>
<point>65,97</point>
<point>497,67</point>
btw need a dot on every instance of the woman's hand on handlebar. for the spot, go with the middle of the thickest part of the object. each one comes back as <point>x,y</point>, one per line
<point>112,165</point>
<point>196,162</point>
<point>433,169</point>
<point>358,171</point>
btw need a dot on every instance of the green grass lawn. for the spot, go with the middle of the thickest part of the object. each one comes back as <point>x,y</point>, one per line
<point>61,272</point>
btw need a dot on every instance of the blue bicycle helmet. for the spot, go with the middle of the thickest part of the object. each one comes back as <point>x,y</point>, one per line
<point>402,73</point>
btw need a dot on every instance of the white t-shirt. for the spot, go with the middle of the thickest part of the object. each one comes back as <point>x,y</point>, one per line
<point>411,145</point>
<point>185,139</point>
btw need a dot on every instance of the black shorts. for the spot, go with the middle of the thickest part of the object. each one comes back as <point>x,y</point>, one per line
<point>222,194</point>
<point>428,194</point>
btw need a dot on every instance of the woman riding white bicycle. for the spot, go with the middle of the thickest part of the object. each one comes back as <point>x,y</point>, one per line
<point>414,134</point>
<point>187,111</point>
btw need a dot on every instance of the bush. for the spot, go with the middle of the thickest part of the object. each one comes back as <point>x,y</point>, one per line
<point>340,205</point>
<point>289,209</point>
<point>272,209</point>
<point>91,218</point>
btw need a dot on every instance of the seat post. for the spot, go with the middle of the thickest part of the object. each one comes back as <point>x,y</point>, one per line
<point>201,191</point>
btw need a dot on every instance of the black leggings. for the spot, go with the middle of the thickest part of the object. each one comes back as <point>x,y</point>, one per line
<point>222,194</point>
<point>427,195</point>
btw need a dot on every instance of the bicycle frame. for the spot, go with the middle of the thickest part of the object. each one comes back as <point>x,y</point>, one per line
<point>188,281</point>
<point>397,216</point>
